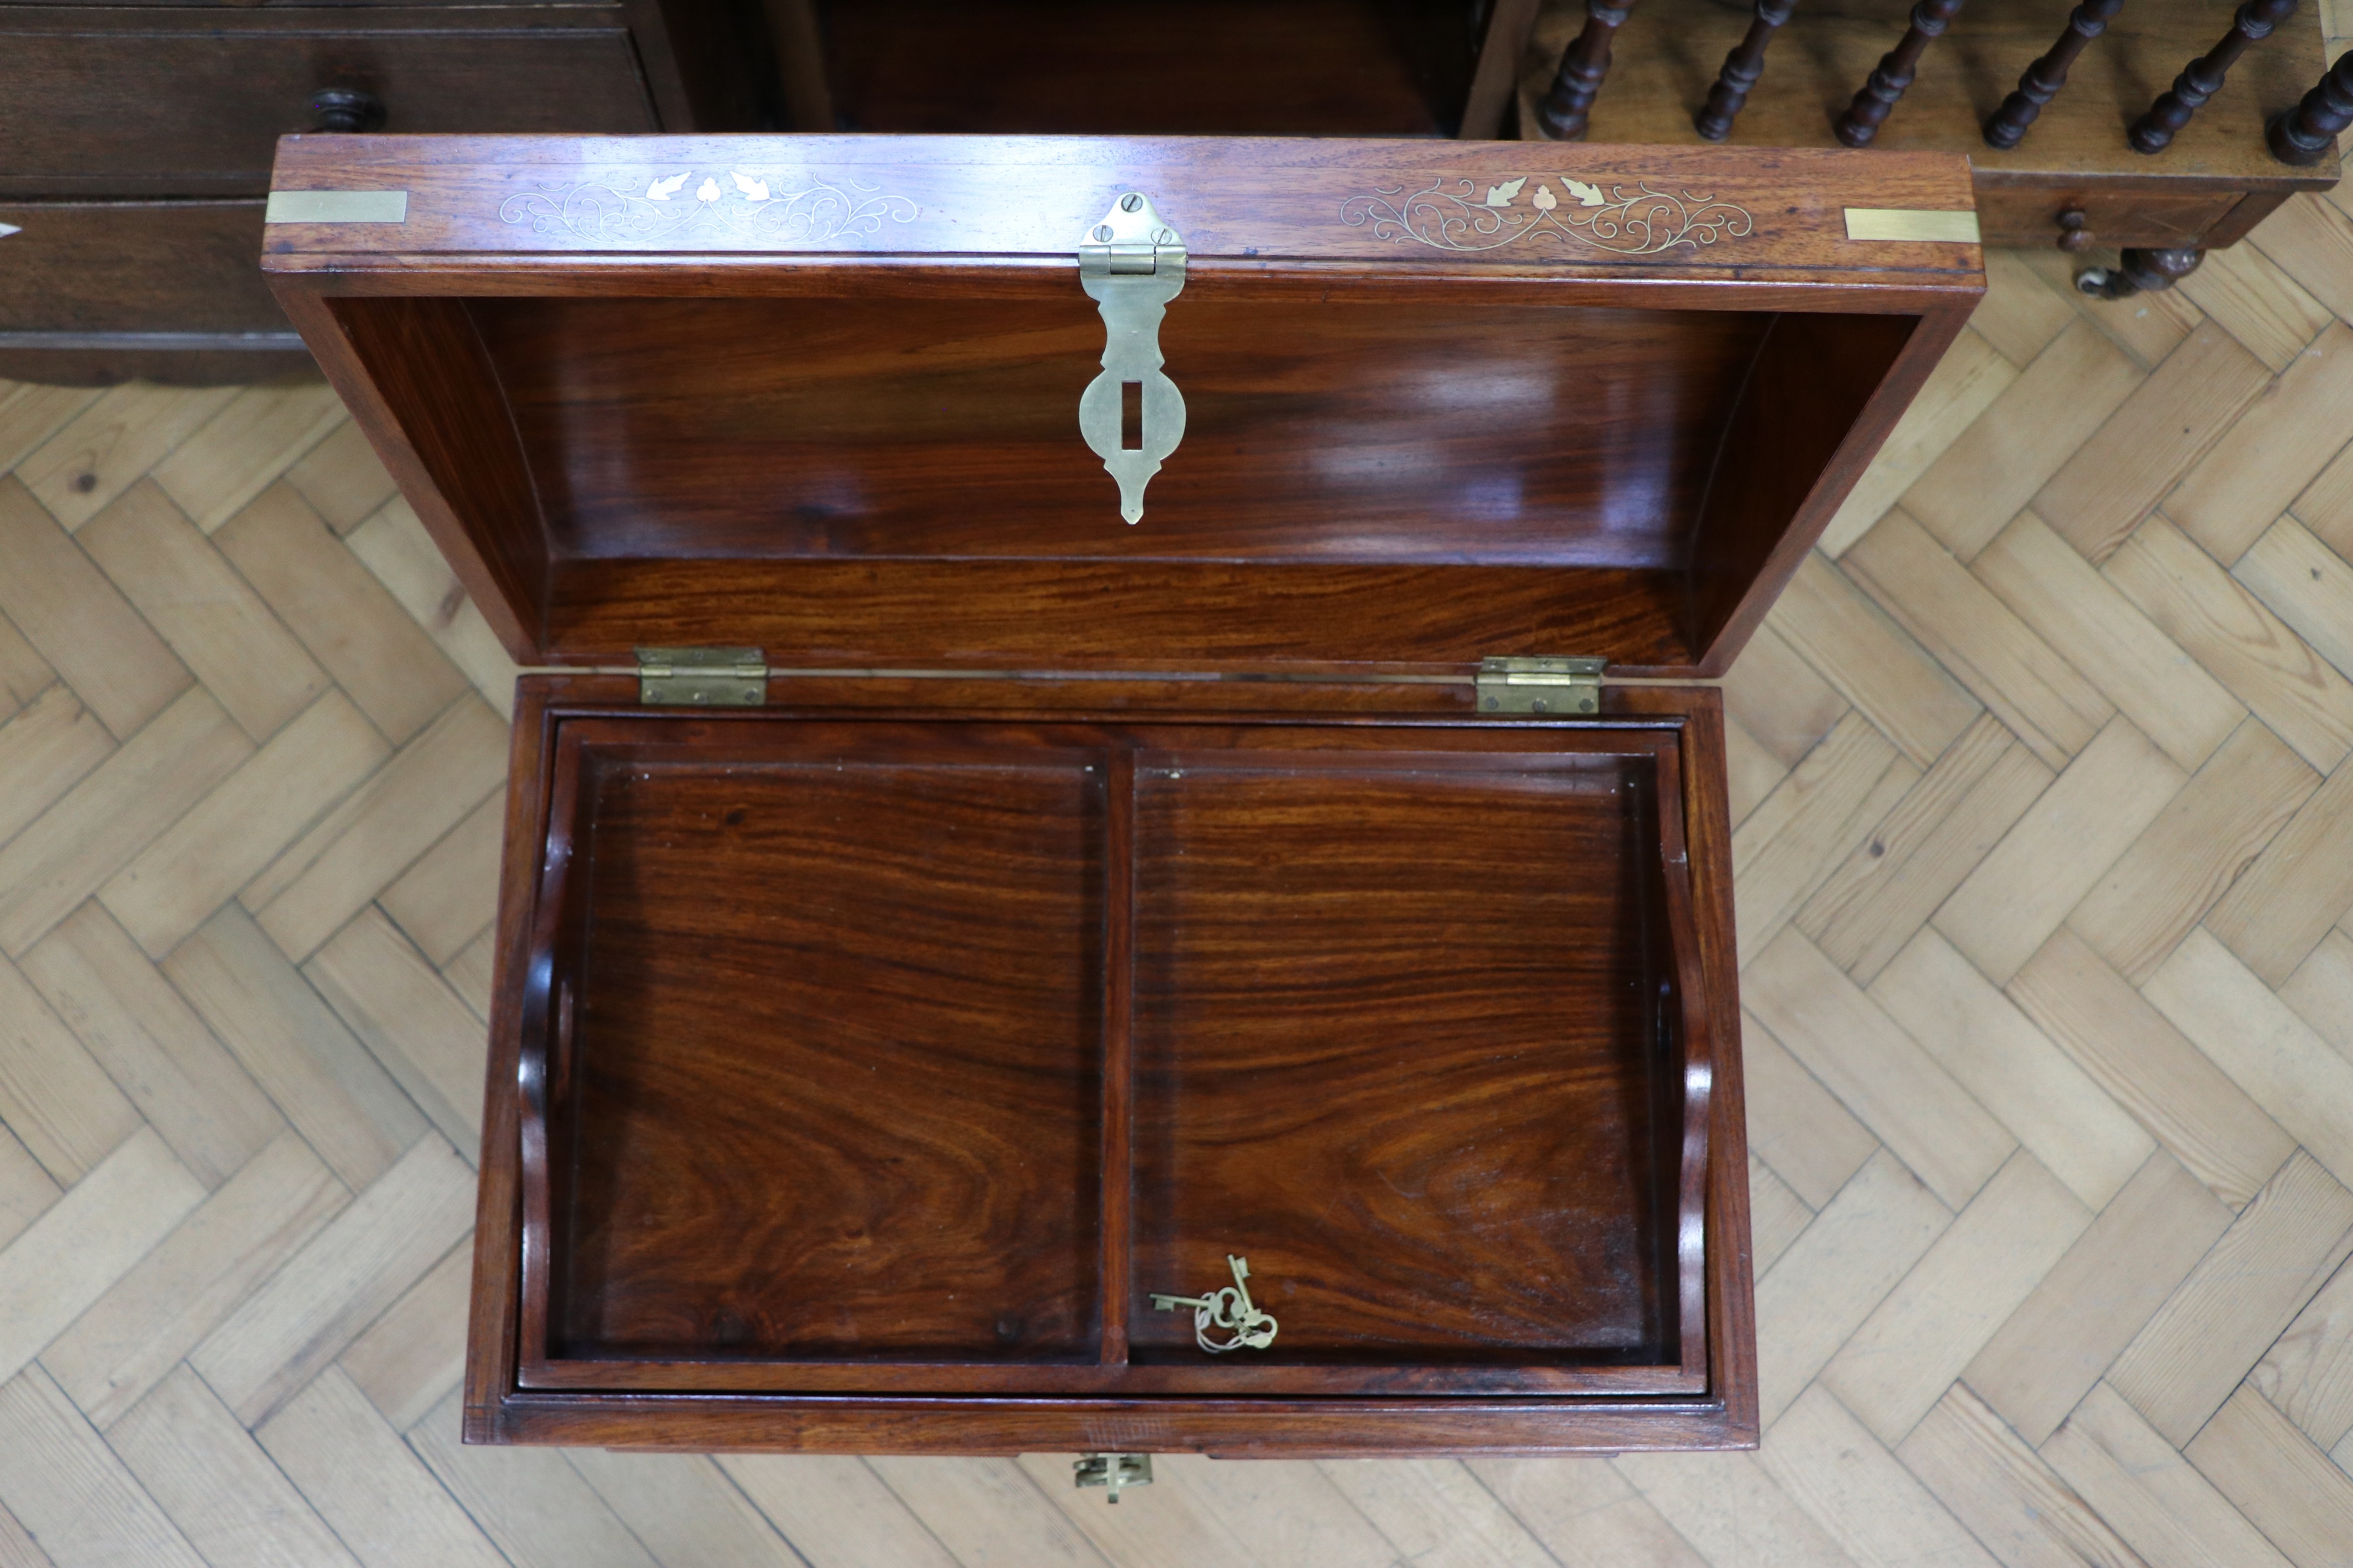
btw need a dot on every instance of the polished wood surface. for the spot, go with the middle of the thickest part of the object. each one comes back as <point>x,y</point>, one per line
<point>829,1085</point>
<point>1017,205</point>
<point>105,291</point>
<point>140,266</point>
<point>722,1055</point>
<point>1421,433</point>
<point>87,91</point>
<point>842,433</point>
<point>1502,446</point>
<point>1419,1083</point>
<point>1222,68</point>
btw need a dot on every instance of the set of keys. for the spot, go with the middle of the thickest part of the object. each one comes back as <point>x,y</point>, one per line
<point>1229,1309</point>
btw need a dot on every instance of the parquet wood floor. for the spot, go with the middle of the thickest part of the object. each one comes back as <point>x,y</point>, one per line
<point>2046,900</point>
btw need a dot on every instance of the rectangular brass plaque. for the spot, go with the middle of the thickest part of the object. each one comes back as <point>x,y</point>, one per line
<point>1911,223</point>
<point>336,206</point>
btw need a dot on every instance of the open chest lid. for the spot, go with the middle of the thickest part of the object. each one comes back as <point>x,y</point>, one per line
<point>1040,403</point>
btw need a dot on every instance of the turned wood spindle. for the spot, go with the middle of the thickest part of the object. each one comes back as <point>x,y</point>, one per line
<point>2043,79</point>
<point>1742,67</point>
<point>2201,78</point>
<point>2307,133</point>
<point>1567,108</point>
<point>1887,83</point>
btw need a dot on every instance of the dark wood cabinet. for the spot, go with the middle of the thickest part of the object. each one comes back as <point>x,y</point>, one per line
<point>2073,179</point>
<point>942,922</point>
<point>135,144</point>
<point>1229,67</point>
<point>179,101</point>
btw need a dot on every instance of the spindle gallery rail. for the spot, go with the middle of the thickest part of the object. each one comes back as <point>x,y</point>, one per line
<point>2158,128</point>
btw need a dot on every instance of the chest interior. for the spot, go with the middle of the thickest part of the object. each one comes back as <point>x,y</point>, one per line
<point>1077,908</point>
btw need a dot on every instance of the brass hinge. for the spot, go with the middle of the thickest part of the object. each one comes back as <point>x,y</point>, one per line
<point>1132,240</point>
<point>702,677</point>
<point>1523,685</point>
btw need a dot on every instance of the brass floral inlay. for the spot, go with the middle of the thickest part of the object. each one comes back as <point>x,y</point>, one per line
<point>746,207</point>
<point>1453,214</point>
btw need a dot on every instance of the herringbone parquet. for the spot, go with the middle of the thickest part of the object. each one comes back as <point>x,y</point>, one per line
<point>2045,894</point>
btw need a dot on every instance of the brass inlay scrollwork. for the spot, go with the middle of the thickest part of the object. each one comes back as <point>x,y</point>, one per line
<point>1454,215</point>
<point>746,205</point>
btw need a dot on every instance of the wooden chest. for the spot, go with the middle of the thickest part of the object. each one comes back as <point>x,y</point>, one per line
<point>976,866</point>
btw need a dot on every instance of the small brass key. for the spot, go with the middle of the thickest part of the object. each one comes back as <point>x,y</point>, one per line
<point>1229,1309</point>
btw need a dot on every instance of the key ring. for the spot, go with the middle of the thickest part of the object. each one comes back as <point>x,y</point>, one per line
<point>1229,1309</point>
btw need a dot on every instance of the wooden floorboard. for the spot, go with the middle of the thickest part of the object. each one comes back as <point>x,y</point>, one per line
<point>2046,902</point>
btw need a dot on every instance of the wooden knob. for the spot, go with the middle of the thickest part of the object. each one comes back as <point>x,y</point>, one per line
<point>2074,231</point>
<point>346,108</point>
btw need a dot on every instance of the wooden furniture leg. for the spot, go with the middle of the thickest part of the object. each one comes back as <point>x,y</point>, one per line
<point>2140,272</point>
<point>1563,114</point>
<point>2201,78</point>
<point>2307,133</point>
<point>1887,83</point>
<point>2043,79</point>
<point>1742,67</point>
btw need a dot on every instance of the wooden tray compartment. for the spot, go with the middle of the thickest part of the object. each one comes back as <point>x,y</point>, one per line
<point>912,1056</point>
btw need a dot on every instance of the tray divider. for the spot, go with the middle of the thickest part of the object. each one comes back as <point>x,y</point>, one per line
<point>1118,1176</point>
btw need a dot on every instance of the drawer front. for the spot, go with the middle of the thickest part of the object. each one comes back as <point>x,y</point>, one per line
<point>2028,215</point>
<point>135,267</point>
<point>192,102</point>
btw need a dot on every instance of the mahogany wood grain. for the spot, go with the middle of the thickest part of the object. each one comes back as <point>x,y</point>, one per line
<point>1413,434</point>
<point>1822,395</point>
<point>682,905</point>
<point>838,1045</point>
<point>567,209</point>
<point>1398,451</point>
<point>494,1305</point>
<point>1091,615</point>
<point>1357,1066</point>
<point>1730,1285</point>
<point>414,371</point>
<point>1116,1169</point>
